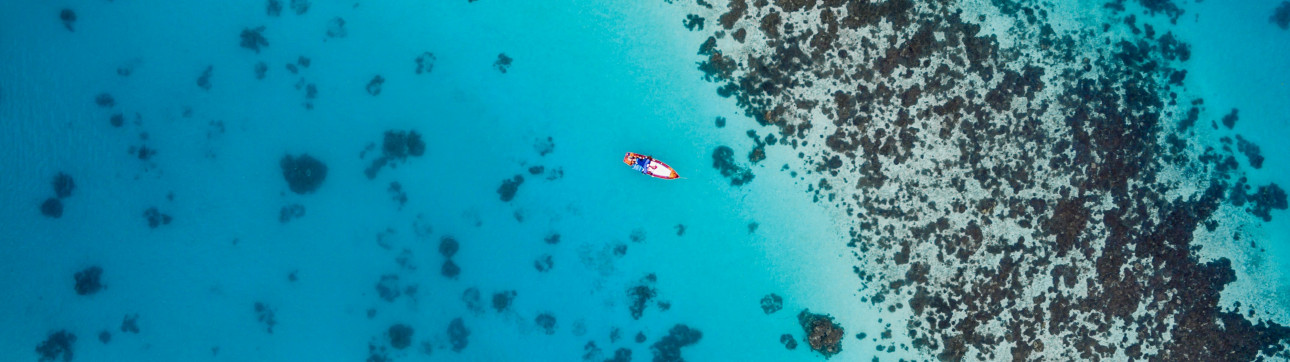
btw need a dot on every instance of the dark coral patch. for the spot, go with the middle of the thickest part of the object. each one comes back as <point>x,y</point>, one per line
<point>694,22</point>
<point>723,159</point>
<point>448,246</point>
<point>336,28</point>
<point>58,345</point>
<point>273,8</point>
<point>458,334</point>
<point>822,334</point>
<point>130,324</point>
<point>395,147</point>
<point>105,100</point>
<point>1251,151</point>
<point>546,321</point>
<point>509,187</point>
<point>52,207</point>
<point>374,85</point>
<point>300,6</point>
<point>156,218</point>
<point>544,263</point>
<point>88,281</point>
<point>544,146</point>
<point>261,69</point>
<point>788,341</point>
<point>253,38</point>
<point>1281,16</point>
<point>204,80</point>
<point>400,335</point>
<point>503,63</point>
<point>502,300</point>
<point>388,287</point>
<point>471,297</point>
<point>640,295</point>
<point>290,212</point>
<point>303,173</point>
<point>266,316</point>
<point>1230,119</point>
<point>668,348</point>
<point>771,303</point>
<point>425,62</point>
<point>68,17</point>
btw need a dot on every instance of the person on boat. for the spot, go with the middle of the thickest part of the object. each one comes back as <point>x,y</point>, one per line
<point>641,164</point>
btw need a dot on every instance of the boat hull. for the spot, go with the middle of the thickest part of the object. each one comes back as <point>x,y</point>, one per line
<point>655,167</point>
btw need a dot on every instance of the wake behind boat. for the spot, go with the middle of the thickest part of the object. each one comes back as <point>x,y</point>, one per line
<point>649,166</point>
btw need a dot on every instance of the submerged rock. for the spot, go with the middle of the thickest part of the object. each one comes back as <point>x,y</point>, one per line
<point>822,334</point>
<point>304,173</point>
<point>88,280</point>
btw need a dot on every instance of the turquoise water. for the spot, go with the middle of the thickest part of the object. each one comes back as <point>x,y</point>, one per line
<point>598,79</point>
<point>588,81</point>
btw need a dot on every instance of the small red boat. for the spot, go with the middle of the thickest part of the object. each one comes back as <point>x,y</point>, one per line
<point>649,166</point>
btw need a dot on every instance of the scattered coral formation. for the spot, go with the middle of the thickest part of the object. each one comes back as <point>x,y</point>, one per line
<point>668,348</point>
<point>88,280</point>
<point>822,334</point>
<point>1005,183</point>
<point>303,173</point>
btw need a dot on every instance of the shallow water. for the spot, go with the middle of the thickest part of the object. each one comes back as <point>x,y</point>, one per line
<point>162,113</point>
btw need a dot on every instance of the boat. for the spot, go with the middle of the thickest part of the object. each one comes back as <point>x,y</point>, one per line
<point>650,166</point>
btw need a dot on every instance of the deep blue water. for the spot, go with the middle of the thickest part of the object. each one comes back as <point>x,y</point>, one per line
<point>588,81</point>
